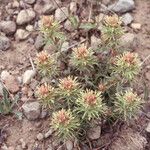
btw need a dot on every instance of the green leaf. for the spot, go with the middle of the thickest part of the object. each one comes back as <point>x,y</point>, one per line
<point>59,35</point>
<point>74,21</point>
<point>87,26</point>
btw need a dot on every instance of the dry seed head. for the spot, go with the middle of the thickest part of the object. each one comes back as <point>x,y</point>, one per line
<point>112,21</point>
<point>44,90</point>
<point>81,52</point>
<point>68,83</point>
<point>62,117</point>
<point>47,21</point>
<point>130,97</point>
<point>90,98</point>
<point>101,87</point>
<point>42,57</point>
<point>129,58</point>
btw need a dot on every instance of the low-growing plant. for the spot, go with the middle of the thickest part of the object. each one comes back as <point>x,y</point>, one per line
<point>6,104</point>
<point>83,59</point>
<point>46,64</point>
<point>90,105</point>
<point>65,124</point>
<point>95,87</point>
<point>127,104</point>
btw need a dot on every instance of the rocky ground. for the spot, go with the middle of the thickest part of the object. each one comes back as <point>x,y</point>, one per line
<point>20,40</point>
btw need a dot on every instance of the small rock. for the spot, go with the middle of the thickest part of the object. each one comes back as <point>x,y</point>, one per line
<point>136,26</point>
<point>24,5</point>
<point>15,4</point>
<point>48,133</point>
<point>23,144</point>
<point>59,16</point>
<point>68,25</point>
<point>39,42</point>
<point>31,110</point>
<point>122,6</point>
<point>128,41</point>
<point>40,137</point>
<point>64,47</point>
<point>8,27</point>
<point>30,40</point>
<point>43,114</point>
<point>73,7</point>
<point>28,75</point>
<point>4,43</point>
<point>69,145</point>
<point>45,7</point>
<point>12,84</point>
<point>29,1</point>
<point>4,75</point>
<point>127,19</point>
<point>25,16</point>
<point>106,2</point>
<point>21,34</point>
<point>94,133</point>
<point>148,128</point>
<point>95,42</point>
<point>19,79</point>
<point>29,28</point>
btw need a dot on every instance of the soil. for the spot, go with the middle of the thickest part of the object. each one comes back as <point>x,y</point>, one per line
<point>16,59</point>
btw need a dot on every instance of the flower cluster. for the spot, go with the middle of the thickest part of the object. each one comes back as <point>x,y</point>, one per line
<point>127,104</point>
<point>83,58</point>
<point>65,124</point>
<point>113,21</point>
<point>68,88</point>
<point>127,65</point>
<point>46,64</point>
<point>90,104</point>
<point>111,31</point>
<point>46,94</point>
<point>51,30</point>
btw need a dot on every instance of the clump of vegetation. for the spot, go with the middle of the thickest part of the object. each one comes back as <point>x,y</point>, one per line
<point>96,85</point>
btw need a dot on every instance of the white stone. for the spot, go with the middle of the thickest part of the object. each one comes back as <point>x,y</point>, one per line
<point>61,14</point>
<point>127,19</point>
<point>29,1</point>
<point>31,110</point>
<point>29,28</point>
<point>45,7</point>
<point>21,34</point>
<point>40,136</point>
<point>5,43</point>
<point>95,42</point>
<point>64,47</point>
<point>8,27</point>
<point>25,16</point>
<point>48,133</point>
<point>4,75</point>
<point>136,26</point>
<point>122,6</point>
<point>28,75</point>
<point>69,145</point>
<point>73,7</point>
